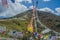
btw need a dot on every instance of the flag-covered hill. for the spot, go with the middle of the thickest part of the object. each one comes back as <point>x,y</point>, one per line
<point>20,21</point>
<point>50,20</point>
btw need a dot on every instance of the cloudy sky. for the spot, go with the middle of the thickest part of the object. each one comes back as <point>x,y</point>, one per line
<point>23,5</point>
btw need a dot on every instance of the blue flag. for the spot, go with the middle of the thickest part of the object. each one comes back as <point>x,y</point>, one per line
<point>14,32</point>
<point>13,1</point>
<point>35,34</point>
<point>50,37</point>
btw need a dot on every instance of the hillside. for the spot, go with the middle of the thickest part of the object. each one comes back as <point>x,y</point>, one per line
<point>50,20</point>
<point>20,22</point>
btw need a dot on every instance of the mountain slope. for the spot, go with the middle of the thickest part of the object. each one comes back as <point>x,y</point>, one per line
<point>18,23</point>
<point>50,20</point>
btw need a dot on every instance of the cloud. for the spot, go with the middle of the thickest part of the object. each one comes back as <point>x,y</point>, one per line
<point>7,13</point>
<point>46,0</point>
<point>31,7</point>
<point>58,11</point>
<point>46,9</point>
<point>14,9</point>
<point>17,7</point>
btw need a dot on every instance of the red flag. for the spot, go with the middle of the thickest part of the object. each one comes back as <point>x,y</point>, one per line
<point>40,35</point>
<point>4,3</point>
<point>3,32</point>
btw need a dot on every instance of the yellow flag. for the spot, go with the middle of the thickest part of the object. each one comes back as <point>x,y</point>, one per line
<point>46,37</point>
<point>30,29</point>
<point>30,26</point>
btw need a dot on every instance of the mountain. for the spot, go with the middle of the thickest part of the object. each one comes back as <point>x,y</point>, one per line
<point>50,20</point>
<point>20,22</point>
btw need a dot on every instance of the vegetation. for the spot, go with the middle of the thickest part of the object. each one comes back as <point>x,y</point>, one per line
<point>16,23</point>
<point>50,20</point>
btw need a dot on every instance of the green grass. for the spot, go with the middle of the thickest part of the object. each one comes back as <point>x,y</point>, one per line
<point>17,24</point>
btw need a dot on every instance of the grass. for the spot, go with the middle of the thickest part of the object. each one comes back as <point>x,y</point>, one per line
<point>17,24</point>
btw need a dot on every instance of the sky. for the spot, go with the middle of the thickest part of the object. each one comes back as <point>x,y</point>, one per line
<point>23,5</point>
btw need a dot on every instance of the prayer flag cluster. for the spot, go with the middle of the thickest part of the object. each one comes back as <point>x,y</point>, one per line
<point>48,37</point>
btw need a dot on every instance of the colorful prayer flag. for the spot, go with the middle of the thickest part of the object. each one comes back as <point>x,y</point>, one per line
<point>50,37</point>
<point>55,38</point>
<point>3,32</point>
<point>4,3</point>
<point>40,35</point>
<point>35,34</point>
<point>46,37</point>
<point>30,28</point>
<point>14,32</point>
